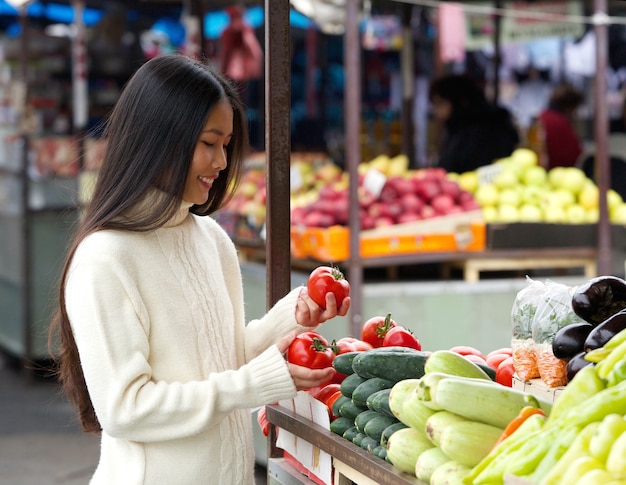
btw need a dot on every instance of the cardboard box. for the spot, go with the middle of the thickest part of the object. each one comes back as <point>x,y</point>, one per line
<point>527,235</point>
<point>538,388</point>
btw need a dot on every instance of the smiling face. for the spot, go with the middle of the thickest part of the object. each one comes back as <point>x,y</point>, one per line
<point>209,157</point>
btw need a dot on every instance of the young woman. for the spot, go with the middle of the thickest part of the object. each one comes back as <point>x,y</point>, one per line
<point>154,350</point>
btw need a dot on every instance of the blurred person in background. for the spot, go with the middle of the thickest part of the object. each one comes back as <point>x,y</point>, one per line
<point>476,132</point>
<point>561,143</point>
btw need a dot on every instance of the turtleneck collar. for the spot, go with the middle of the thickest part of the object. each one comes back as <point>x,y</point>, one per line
<point>153,197</point>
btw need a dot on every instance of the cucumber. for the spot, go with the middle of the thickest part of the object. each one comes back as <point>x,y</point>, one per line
<point>361,420</point>
<point>350,410</point>
<point>350,433</point>
<point>380,451</point>
<point>379,401</point>
<point>394,365</point>
<point>337,404</point>
<point>369,387</point>
<point>350,383</point>
<point>358,437</point>
<point>374,427</point>
<point>340,425</point>
<point>490,371</point>
<point>389,430</point>
<point>343,362</point>
<point>368,444</point>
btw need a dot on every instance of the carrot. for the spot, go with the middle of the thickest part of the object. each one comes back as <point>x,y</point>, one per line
<point>516,422</point>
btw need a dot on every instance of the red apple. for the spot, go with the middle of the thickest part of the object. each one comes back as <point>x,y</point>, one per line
<point>427,212</point>
<point>411,203</point>
<point>408,217</point>
<point>450,187</point>
<point>442,203</point>
<point>318,219</point>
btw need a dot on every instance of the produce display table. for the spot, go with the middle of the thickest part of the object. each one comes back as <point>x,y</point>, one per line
<point>351,463</point>
<point>472,263</point>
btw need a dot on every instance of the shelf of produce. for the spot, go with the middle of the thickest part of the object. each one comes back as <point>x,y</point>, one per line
<point>352,464</point>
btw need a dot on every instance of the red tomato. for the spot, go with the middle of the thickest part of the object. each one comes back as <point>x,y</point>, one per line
<point>326,391</point>
<point>505,371</point>
<point>467,350</point>
<point>374,330</point>
<point>310,349</point>
<point>502,350</point>
<point>326,279</point>
<point>475,358</point>
<point>350,344</point>
<point>264,424</point>
<point>402,337</point>
<point>493,360</point>
<point>330,401</point>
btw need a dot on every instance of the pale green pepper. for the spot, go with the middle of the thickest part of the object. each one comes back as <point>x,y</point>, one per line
<point>561,444</point>
<point>608,431</point>
<point>595,477</point>
<point>578,468</point>
<point>579,448</point>
<point>606,365</point>
<point>616,461</point>
<point>617,374</point>
<point>583,386</point>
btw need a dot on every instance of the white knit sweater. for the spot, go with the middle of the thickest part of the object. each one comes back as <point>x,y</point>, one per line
<point>172,368</point>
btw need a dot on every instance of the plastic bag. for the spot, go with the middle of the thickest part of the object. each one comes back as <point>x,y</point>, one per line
<point>553,313</point>
<point>522,316</point>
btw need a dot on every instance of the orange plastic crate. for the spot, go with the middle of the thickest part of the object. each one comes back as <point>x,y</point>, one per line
<point>333,244</point>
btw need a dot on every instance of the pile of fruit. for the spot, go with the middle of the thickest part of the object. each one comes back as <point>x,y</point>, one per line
<point>451,416</point>
<point>517,189</point>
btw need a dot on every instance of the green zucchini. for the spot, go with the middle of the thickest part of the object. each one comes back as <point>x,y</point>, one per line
<point>350,410</point>
<point>379,401</point>
<point>361,420</point>
<point>350,433</point>
<point>389,430</point>
<point>350,383</point>
<point>368,444</point>
<point>369,387</point>
<point>374,427</point>
<point>337,404</point>
<point>343,362</point>
<point>393,365</point>
<point>340,425</point>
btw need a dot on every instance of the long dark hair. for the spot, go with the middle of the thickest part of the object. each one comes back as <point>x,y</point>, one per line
<point>150,138</point>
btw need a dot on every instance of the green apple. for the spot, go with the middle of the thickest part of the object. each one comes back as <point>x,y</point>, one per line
<point>554,214</point>
<point>530,213</point>
<point>555,176</point>
<point>613,199</point>
<point>575,214</point>
<point>525,157</point>
<point>618,214</point>
<point>567,197</point>
<point>490,213</point>
<point>593,215</point>
<point>507,213</point>
<point>487,194</point>
<point>589,196</point>
<point>532,194</point>
<point>573,179</point>
<point>510,196</point>
<point>535,175</point>
<point>505,179</point>
<point>468,181</point>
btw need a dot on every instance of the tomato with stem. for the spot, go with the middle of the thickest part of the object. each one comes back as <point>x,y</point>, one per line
<point>401,337</point>
<point>310,349</point>
<point>374,330</point>
<point>327,279</point>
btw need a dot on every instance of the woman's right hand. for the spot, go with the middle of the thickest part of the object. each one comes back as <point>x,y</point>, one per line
<point>303,377</point>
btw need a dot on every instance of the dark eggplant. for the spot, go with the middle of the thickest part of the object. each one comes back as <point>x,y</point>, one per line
<point>570,340</point>
<point>575,364</point>
<point>602,333</point>
<point>599,298</point>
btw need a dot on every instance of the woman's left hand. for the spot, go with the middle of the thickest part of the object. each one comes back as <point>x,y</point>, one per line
<point>310,314</point>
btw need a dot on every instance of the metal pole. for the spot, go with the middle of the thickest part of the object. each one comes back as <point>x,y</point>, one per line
<point>603,176</point>
<point>277,147</point>
<point>352,113</point>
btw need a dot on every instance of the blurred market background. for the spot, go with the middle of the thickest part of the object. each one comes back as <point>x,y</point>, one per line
<point>449,270</point>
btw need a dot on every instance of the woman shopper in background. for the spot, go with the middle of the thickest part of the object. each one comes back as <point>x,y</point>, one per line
<point>154,349</point>
<point>476,132</point>
<point>561,143</point>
